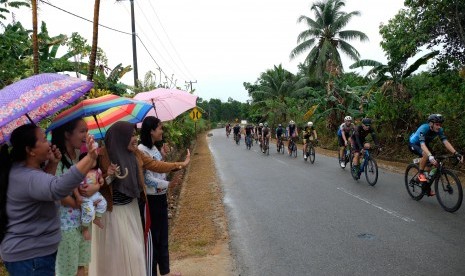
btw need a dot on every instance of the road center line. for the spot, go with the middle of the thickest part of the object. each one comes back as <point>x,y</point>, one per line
<point>392,213</point>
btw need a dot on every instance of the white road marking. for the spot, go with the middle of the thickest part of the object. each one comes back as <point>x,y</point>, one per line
<point>392,213</point>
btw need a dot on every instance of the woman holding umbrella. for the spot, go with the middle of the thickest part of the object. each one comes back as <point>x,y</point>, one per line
<point>29,224</point>
<point>73,252</point>
<point>119,246</point>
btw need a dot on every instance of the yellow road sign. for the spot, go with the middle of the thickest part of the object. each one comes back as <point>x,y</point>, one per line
<point>195,114</point>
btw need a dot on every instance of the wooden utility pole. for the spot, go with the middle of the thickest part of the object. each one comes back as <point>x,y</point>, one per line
<point>190,83</point>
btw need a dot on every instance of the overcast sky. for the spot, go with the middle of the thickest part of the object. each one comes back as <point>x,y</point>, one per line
<point>219,44</point>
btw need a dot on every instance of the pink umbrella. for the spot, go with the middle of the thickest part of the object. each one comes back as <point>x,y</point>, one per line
<point>167,103</point>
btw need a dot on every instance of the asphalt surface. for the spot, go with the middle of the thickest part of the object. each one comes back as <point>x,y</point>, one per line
<point>290,217</point>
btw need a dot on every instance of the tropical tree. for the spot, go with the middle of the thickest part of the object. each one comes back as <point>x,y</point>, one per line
<point>6,4</point>
<point>271,94</point>
<point>110,79</point>
<point>325,36</point>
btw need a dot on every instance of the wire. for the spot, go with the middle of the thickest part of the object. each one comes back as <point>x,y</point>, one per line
<point>159,39</point>
<point>169,40</point>
<point>153,58</point>
<point>113,29</point>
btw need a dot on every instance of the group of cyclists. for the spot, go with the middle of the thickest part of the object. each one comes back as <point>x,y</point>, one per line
<point>349,134</point>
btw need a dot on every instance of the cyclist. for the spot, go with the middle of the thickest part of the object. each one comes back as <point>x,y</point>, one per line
<point>279,135</point>
<point>292,133</point>
<point>309,130</point>
<point>236,131</point>
<point>419,145</point>
<point>249,130</point>
<point>344,132</point>
<point>358,141</point>
<point>266,133</point>
<point>259,133</point>
<point>228,129</point>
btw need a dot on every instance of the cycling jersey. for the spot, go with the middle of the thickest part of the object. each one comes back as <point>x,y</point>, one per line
<point>236,129</point>
<point>359,135</point>
<point>347,129</point>
<point>424,135</point>
<point>265,131</point>
<point>248,130</point>
<point>259,130</point>
<point>308,131</point>
<point>291,130</point>
<point>279,131</point>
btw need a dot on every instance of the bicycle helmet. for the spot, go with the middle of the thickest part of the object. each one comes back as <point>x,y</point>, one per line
<point>310,124</point>
<point>435,118</point>
<point>279,125</point>
<point>366,121</point>
<point>291,122</point>
<point>260,124</point>
<point>266,124</point>
<point>347,118</point>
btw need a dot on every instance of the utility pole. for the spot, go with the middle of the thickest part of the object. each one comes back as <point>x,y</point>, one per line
<point>191,82</point>
<point>134,52</point>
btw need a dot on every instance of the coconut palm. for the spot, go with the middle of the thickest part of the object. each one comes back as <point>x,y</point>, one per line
<point>274,87</point>
<point>324,37</point>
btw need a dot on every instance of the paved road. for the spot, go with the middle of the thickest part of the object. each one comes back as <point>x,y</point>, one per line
<point>288,217</point>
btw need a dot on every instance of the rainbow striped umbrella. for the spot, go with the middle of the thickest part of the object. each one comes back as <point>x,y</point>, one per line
<point>98,124</point>
<point>88,107</point>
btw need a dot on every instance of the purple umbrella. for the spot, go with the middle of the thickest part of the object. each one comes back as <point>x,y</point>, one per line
<point>35,98</point>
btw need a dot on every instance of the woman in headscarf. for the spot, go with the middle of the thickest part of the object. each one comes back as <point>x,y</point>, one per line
<point>118,248</point>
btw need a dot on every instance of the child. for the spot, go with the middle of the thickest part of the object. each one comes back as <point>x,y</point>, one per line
<point>88,210</point>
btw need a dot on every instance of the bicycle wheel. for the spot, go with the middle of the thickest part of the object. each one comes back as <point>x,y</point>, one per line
<point>268,148</point>
<point>281,148</point>
<point>371,171</point>
<point>411,182</point>
<point>311,154</point>
<point>303,154</point>
<point>448,191</point>
<point>294,150</point>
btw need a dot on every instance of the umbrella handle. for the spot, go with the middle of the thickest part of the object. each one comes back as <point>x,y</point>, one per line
<point>154,108</point>
<point>118,174</point>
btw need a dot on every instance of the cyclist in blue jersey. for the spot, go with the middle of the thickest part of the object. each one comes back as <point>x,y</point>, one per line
<point>420,140</point>
<point>344,132</point>
<point>291,133</point>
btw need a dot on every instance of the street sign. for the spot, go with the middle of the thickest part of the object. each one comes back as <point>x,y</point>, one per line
<point>195,114</point>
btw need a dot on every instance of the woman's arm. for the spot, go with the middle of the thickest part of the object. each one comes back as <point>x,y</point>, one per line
<point>160,166</point>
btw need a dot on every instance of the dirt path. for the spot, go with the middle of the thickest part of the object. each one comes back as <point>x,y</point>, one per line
<point>199,233</point>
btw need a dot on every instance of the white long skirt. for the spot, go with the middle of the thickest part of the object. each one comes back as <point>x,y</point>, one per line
<point>118,249</point>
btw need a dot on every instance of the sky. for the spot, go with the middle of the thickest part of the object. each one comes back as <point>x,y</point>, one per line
<point>218,44</point>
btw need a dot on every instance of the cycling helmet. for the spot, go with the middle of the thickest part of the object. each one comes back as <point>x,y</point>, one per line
<point>310,124</point>
<point>291,122</point>
<point>347,118</point>
<point>261,124</point>
<point>266,124</point>
<point>435,118</point>
<point>366,121</point>
<point>279,125</point>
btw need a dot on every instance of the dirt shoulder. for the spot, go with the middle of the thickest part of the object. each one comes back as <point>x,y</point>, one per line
<point>199,240</point>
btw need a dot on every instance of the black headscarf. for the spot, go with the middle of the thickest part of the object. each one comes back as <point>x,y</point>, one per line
<point>116,142</point>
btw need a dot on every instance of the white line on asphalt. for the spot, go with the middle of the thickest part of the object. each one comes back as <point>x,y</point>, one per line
<point>392,213</point>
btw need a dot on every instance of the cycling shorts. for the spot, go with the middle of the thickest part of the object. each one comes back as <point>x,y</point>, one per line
<point>356,148</point>
<point>416,149</point>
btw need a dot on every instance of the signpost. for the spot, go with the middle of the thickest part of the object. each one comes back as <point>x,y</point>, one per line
<point>195,115</point>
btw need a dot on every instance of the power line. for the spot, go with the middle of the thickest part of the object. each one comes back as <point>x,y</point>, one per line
<point>155,48</point>
<point>116,30</point>
<point>91,21</point>
<point>161,42</point>
<point>169,40</point>
<point>166,76</point>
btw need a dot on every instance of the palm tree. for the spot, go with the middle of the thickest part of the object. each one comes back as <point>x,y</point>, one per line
<point>93,51</point>
<point>275,87</point>
<point>325,37</point>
